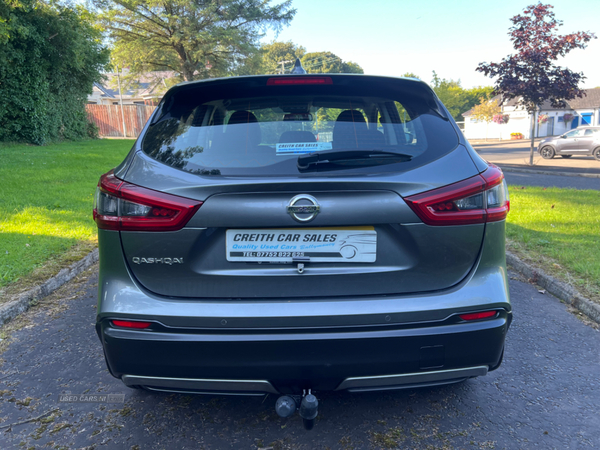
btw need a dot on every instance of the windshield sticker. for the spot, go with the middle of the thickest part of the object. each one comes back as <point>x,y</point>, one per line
<point>299,148</point>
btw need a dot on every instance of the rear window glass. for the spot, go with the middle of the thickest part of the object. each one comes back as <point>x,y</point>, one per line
<point>245,127</point>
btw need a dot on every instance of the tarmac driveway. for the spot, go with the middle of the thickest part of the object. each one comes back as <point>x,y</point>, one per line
<point>545,395</point>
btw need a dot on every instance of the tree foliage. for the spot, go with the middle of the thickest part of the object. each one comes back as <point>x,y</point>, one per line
<point>274,53</point>
<point>486,109</point>
<point>456,99</point>
<point>410,75</point>
<point>327,62</point>
<point>50,56</point>
<point>530,74</point>
<point>194,38</point>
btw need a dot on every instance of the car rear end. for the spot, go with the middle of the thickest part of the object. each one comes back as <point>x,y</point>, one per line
<point>274,234</point>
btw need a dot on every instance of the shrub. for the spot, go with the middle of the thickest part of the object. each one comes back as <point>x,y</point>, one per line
<point>50,56</point>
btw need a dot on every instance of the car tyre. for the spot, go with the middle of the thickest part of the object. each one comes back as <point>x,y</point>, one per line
<point>597,154</point>
<point>547,152</point>
<point>565,156</point>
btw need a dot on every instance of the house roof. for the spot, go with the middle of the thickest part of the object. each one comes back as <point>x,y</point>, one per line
<point>147,85</point>
<point>590,100</point>
<point>106,92</point>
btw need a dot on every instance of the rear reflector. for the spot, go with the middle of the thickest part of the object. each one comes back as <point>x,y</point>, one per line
<point>130,324</point>
<point>478,315</point>
<point>287,81</point>
<point>480,199</point>
<point>123,206</point>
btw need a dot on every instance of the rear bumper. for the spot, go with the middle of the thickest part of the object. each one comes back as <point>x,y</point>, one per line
<point>261,387</point>
<point>250,363</point>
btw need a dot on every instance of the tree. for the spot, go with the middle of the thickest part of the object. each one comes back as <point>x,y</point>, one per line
<point>327,62</point>
<point>410,75</point>
<point>275,53</point>
<point>456,99</point>
<point>50,56</point>
<point>531,75</point>
<point>485,111</point>
<point>195,38</point>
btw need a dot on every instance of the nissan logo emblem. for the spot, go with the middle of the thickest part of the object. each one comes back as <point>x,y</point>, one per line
<point>303,208</point>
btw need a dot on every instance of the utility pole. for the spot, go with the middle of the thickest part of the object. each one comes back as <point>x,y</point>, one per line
<point>283,65</point>
<point>121,101</point>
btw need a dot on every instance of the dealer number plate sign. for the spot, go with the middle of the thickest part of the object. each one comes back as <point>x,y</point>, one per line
<point>318,244</point>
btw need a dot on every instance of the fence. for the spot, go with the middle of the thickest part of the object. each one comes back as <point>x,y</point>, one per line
<point>109,119</point>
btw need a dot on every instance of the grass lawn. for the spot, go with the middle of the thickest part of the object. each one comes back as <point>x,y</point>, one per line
<point>46,198</point>
<point>559,231</point>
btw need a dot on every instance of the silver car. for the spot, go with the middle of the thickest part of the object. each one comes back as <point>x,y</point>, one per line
<point>580,141</point>
<point>291,234</point>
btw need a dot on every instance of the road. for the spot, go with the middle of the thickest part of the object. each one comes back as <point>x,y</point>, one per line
<point>545,395</point>
<point>513,157</point>
<point>511,152</point>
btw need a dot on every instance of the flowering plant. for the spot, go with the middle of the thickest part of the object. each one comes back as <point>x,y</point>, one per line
<point>568,117</point>
<point>500,118</point>
<point>543,118</point>
<point>516,135</point>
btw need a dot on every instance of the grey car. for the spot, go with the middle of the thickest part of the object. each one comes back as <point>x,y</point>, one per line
<point>580,141</point>
<point>292,234</point>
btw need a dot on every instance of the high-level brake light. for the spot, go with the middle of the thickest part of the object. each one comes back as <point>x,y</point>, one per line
<point>287,81</point>
<point>480,199</point>
<point>123,206</point>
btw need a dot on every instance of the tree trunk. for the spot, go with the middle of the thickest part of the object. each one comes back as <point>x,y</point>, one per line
<point>532,135</point>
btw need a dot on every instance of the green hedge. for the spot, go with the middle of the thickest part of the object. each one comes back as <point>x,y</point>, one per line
<point>50,56</point>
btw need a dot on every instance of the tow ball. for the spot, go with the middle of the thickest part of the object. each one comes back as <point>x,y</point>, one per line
<point>307,403</point>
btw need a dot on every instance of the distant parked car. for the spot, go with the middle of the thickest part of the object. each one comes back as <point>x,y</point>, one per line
<point>241,255</point>
<point>580,141</point>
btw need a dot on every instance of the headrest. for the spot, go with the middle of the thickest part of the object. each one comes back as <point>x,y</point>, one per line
<point>351,115</point>
<point>242,117</point>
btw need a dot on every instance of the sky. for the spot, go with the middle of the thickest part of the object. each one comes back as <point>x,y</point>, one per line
<point>393,37</point>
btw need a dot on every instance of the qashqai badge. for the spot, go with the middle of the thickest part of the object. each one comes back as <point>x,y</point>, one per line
<point>303,208</point>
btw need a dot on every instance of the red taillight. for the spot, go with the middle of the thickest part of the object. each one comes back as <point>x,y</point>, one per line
<point>478,315</point>
<point>124,206</point>
<point>287,81</point>
<point>482,198</point>
<point>131,324</point>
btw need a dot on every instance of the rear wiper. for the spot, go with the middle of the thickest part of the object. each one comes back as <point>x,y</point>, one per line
<point>309,159</point>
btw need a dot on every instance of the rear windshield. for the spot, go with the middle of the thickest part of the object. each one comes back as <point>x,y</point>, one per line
<point>247,127</point>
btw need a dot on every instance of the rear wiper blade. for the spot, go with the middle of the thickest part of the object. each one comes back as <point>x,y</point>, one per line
<point>309,159</point>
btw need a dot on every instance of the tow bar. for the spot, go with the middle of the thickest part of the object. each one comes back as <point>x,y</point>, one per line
<point>286,406</point>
